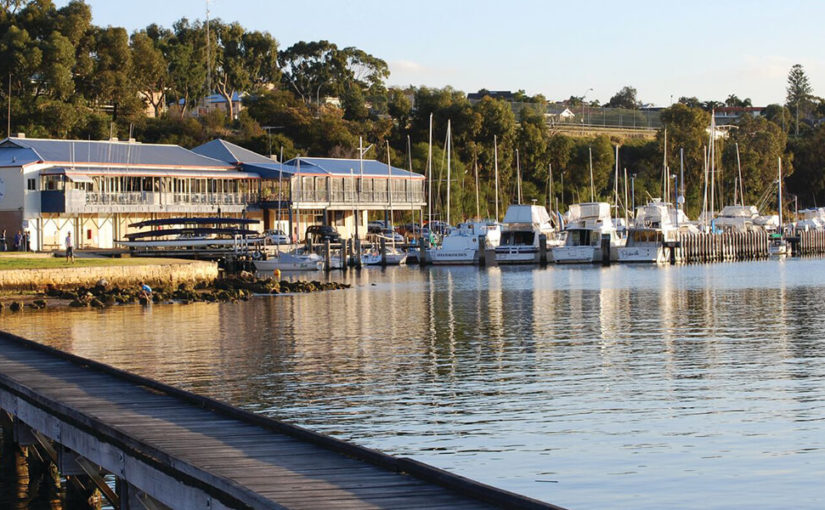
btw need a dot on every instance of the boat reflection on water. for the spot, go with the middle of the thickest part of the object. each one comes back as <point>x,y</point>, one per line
<point>619,383</point>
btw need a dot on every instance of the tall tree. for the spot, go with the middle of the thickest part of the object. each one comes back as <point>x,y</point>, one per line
<point>625,98</point>
<point>150,72</point>
<point>799,90</point>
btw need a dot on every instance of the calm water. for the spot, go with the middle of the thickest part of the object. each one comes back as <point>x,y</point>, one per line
<point>623,387</point>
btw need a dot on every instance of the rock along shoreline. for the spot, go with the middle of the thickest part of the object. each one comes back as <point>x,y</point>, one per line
<point>103,295</point>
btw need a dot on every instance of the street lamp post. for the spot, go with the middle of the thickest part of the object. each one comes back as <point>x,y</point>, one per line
<point>584,96</point>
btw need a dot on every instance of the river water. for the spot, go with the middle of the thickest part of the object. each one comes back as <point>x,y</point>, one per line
<point>699,386</point>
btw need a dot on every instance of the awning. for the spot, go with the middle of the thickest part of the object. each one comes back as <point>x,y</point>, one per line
<point>80,178</point>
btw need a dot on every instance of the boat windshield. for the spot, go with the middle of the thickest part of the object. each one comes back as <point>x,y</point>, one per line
<point>518,237</point>
<point>582,237</point>
<point>644,236</point>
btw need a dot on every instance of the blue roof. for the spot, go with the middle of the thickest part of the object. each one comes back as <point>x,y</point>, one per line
<point>216,98</point>
<point>29,150</point>
<point>231,153</point>
<point>344,167</point>
<point>269,170</point>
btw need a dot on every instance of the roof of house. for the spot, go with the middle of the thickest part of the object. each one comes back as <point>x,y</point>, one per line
<point>345,167</point>
<point>21,151</point>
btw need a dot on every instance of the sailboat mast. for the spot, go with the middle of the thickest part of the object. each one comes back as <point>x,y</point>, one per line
<point>780,195</point>
<point>626,221</point>
<point>430,176</point>
<point>739,167</point>
<point>449,181</point>
<point>409,182</point>
<point>475,167</point>
<point>550,186</point>
<point>495,159</point>
<point>712,161</point>
<point>616,185</point>
<point>518,179</point>
<point>665,190</point>
<point>681,179</point>
<point>389,193</point>
<point>590,155</point>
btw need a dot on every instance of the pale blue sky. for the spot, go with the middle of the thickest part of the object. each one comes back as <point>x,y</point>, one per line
<point>701,48</point>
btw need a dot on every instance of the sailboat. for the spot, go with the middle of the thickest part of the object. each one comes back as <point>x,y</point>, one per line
<point>392,256</point>
<point>778,247</point>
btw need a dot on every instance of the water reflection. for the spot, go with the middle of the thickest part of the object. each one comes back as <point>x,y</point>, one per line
<point>628,386</point>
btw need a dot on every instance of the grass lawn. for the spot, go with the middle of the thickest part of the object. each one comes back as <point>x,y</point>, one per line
<point>58,262</point>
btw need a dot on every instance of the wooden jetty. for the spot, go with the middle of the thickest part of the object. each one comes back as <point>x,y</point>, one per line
<point>171,448</point>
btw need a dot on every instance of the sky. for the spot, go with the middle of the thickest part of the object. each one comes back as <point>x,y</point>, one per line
<point>665,49</point>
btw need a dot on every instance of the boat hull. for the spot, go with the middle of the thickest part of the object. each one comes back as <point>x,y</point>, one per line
<point>441,257</point>
<point>576,254</point>
<point>289,264</point>
<point>642,255</point>
<point>517,255</point>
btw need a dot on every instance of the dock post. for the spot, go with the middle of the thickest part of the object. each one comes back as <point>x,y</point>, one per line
<point>606,250</point>
<point>357,256</point>
<point>543,249</point>
<point>383,245</point>
<point>327,256</point>
<point>480,246</point>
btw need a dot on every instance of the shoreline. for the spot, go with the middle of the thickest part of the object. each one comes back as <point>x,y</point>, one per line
<point>105,295</point>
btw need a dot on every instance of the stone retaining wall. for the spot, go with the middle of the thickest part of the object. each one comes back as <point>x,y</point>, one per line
<point>172,273</point>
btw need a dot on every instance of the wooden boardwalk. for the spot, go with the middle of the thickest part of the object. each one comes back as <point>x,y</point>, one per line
<point>187,451</point>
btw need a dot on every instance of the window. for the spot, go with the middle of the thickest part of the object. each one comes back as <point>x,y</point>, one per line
<point>31,184</point>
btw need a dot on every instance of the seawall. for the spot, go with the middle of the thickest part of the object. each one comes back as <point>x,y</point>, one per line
<point>169,273</point>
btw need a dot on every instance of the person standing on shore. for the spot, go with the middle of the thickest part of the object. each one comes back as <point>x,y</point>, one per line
<point>69,248</point>
<point>18,240</point>
<point>3,246</point>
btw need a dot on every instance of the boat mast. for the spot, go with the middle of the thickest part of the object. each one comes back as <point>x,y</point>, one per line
<point>590,154</point>
<point>665,190</point>
<point>781,229</point>
<point>712,157</point>
<point>616,185</point>
<point>389,194</point>
<point>739,167</point>
<point>705,188</point>
<point>409,182</point>
<point>430,176</point>
<point>681,180</point>
<point>550,186</point>
<point>449,181</point>
<point>495,159</point>
<point>475,165</point>
<point>518,180</point>
<point>626,221</point>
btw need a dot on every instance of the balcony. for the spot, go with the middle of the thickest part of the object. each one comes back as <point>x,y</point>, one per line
<point>74,201</point>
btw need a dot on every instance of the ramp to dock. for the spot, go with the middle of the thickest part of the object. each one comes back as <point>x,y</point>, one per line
<point>187,451</point>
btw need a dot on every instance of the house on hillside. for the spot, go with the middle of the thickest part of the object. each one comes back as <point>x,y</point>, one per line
<point>731,114</point>
<point>557,114</point>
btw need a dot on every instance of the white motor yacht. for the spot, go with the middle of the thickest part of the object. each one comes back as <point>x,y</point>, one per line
<point>290,262</point>
<point>655,226</point>
<point>587,225</point>
<point>465,244</point>
<point>521,232</point>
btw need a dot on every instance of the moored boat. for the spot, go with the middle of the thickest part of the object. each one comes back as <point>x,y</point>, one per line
<point>522,230</point>
<point>588,224</point>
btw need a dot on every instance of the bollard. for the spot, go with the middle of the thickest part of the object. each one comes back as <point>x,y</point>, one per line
<point>543,249</point>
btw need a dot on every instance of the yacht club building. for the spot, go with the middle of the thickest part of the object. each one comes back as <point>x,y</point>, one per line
<point>95,189</point>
